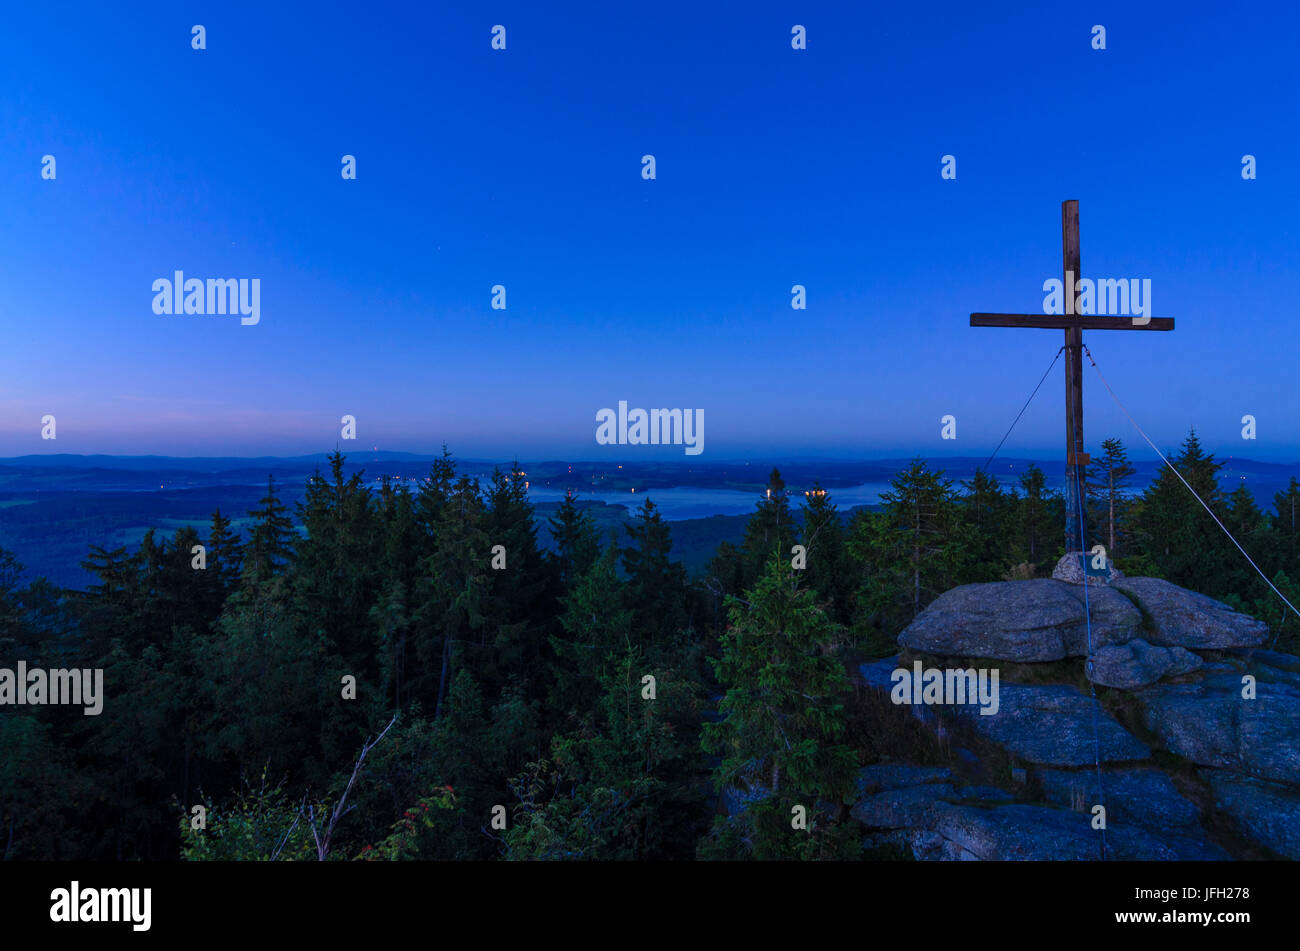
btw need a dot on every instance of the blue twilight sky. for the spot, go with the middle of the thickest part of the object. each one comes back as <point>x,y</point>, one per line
<point>477,167</point>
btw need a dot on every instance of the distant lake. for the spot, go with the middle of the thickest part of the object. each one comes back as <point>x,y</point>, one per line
<point>681,502</point>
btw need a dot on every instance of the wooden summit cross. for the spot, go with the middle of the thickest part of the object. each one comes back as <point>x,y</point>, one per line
<point>1073,323</point>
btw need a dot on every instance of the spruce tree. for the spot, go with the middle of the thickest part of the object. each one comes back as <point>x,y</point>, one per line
<point>1181,540</point>
<point>1250,527</point>
<point>770,530</point>
<point>434,493</point>
<point>224,555</point>
<point>522,603</point>
<point>1106,492</point>
<point>918,545</point>
<point>1285,522</point>
<point>1039,520</point>
<point>12,626</point>
<point>656,585</point>
<point>391,614</point>
<point>823,538</point>
<point>185,597</point>
<point>781,732</point>
<point>109,602</point>
<point>725,576</point>
<point>270,544</point>
<point>987,512</point>
<point>622,785</point>
<point>337,566</point>
<point>595,622</point>
<point>451,594</point>
<point>577,546</point>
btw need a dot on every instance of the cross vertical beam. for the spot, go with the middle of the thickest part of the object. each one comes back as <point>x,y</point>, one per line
<point>1073,323</point>
<point>1073,374</point>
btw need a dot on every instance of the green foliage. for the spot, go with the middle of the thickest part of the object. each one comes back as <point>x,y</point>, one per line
<point>450,592</point>
<point>39,792</point>
<point>1038,520</point>
<point>260,824</point>
<point>770,531</point>
<point>595,623</point>
<point>656,584</point>
<point>913,550</point>
<point>619,786</point>
<point>1285,524</point>
<point>405,841</point>
<point>825,539</point>
<point>521,598</point>
<point>1108,499</point>
<point>524,687</point>
<point>270,546</point>
<point>1173,530</point>
<point>988,512</point>
<point>336,572</point>
<point>577,545</point>
<point>782,715</point>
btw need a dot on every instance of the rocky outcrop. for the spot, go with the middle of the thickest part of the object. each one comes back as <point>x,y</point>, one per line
<point>879,673</point>
<point>1269,666</point>
<point>1043,833</point>
<point>1187,619</point>
<point>1213,724</point>
<point>898,796</point>
<point>886,776</point>
<point>1228,747</point>
<point>1022,621</point>
<point>1053,725</point>
<point>936,820</point>
<point>1138,664</point>
<point>1045,620</point>
<point>1070,570</point>
<point>1269,813</point>
<point>1143,797</point>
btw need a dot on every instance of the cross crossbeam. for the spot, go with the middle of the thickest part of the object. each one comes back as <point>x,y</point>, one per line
<point>1074,324</point>
<point>1082,321</point>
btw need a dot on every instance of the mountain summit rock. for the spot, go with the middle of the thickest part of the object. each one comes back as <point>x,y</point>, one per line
<point>1187,739</point>
<point>1045,620</point>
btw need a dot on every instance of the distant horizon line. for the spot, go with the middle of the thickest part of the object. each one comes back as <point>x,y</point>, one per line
<point>761,457</point>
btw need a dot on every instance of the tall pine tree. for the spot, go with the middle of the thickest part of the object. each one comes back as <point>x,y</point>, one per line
<point>781,732</point>
<point>656,584</point>
<point>1106,492</point>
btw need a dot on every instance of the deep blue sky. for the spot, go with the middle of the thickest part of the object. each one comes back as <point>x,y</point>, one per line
<point>522,167</point>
